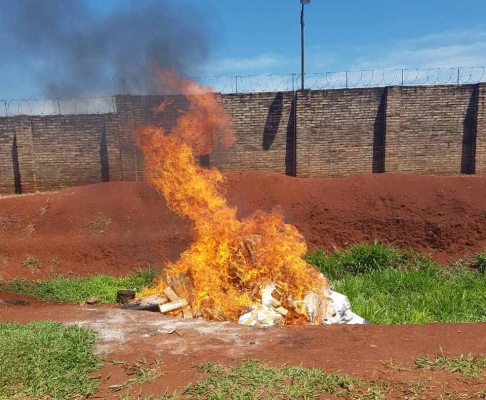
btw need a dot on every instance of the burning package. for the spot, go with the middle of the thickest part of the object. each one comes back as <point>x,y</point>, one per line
<point>270,312</point>
<point>337,310</point>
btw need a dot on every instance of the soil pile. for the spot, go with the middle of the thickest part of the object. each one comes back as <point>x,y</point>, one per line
<point>117,227</point>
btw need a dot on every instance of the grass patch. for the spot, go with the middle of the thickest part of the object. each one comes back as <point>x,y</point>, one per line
<point>251,380</point>
<point>416,296</point>
<point>79,289</point>
<point>390,286</point>
<point>142,372</point>
<point>468,366</point>
<point>46,359</point>
<point>364,258</point>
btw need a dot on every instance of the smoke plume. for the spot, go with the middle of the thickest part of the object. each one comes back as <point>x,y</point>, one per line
<point>73,50</point>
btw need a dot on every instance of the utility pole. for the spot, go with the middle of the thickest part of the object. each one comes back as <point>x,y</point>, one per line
<point>302,24</point>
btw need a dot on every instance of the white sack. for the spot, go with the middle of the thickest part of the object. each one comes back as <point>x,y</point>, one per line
<point>339,310</point>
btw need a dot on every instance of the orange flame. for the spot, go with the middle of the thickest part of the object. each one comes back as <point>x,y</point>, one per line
<point>225,281</point>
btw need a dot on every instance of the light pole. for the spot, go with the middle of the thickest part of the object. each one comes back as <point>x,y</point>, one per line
<point>302,24</point>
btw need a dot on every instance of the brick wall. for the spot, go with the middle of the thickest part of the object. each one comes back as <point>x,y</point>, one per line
<point>340,132</point>
<point>263,124</point>
<point>423,129</point>
<point>137,111</point>
<point>431,129</point>
<point>46,153</point>
<point>264,129</point>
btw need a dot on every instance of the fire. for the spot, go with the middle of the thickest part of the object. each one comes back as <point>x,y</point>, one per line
<point>227,275</point>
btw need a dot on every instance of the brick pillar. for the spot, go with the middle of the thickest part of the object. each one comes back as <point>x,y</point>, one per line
<point>393,129</point>
<point>22,127</point>
<point>481,130</point>
<point>128,152</point>
<point>112,132</point>
<point>303,100</point>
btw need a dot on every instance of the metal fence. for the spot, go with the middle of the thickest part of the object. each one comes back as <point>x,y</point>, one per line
<point>253,84</point>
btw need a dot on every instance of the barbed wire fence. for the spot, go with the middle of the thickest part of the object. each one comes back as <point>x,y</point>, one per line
<point>330,80</point>
<point>252,84</point>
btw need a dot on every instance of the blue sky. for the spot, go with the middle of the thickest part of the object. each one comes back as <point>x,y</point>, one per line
<point>263,36</point>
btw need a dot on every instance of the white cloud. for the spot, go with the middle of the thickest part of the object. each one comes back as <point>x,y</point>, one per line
<point>243,65</point>
<point>452,36</point>
<point>448,49</point>
<point>441,50</point>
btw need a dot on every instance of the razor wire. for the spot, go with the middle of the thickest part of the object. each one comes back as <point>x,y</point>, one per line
<point>327,80</point>
<point>58,106</point>
<point>395,77</point>
<point>236,84</point>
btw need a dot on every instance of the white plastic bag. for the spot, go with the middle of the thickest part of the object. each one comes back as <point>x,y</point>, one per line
<point>339,310</point>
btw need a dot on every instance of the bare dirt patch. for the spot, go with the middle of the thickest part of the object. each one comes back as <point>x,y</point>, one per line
<point>376,353</point>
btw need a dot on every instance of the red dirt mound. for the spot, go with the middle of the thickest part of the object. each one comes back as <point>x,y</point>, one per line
<point>117,227</point>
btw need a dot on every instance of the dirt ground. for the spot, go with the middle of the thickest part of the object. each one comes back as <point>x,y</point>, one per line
<point>360,351</point>
<point>117,227</point>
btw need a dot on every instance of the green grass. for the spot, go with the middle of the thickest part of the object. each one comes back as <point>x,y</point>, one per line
<point>46,359</point>
<point>470,366</point>
<point>251,380</point>
<point>364,258</point>
<point>76,290</point>
<point>390,286</point>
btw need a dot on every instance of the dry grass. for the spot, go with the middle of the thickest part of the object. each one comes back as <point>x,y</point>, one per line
<point>7,219</point>
<point>31,260</point>
<point>100,224</point>
<point>141,372</point>
<point>30,229</point>
<point>43,210</point>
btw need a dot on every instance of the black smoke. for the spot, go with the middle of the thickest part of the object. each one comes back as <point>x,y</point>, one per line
<point>72,50</point>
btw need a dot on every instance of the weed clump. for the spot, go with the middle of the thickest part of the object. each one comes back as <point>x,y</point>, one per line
<point>30,260</point>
